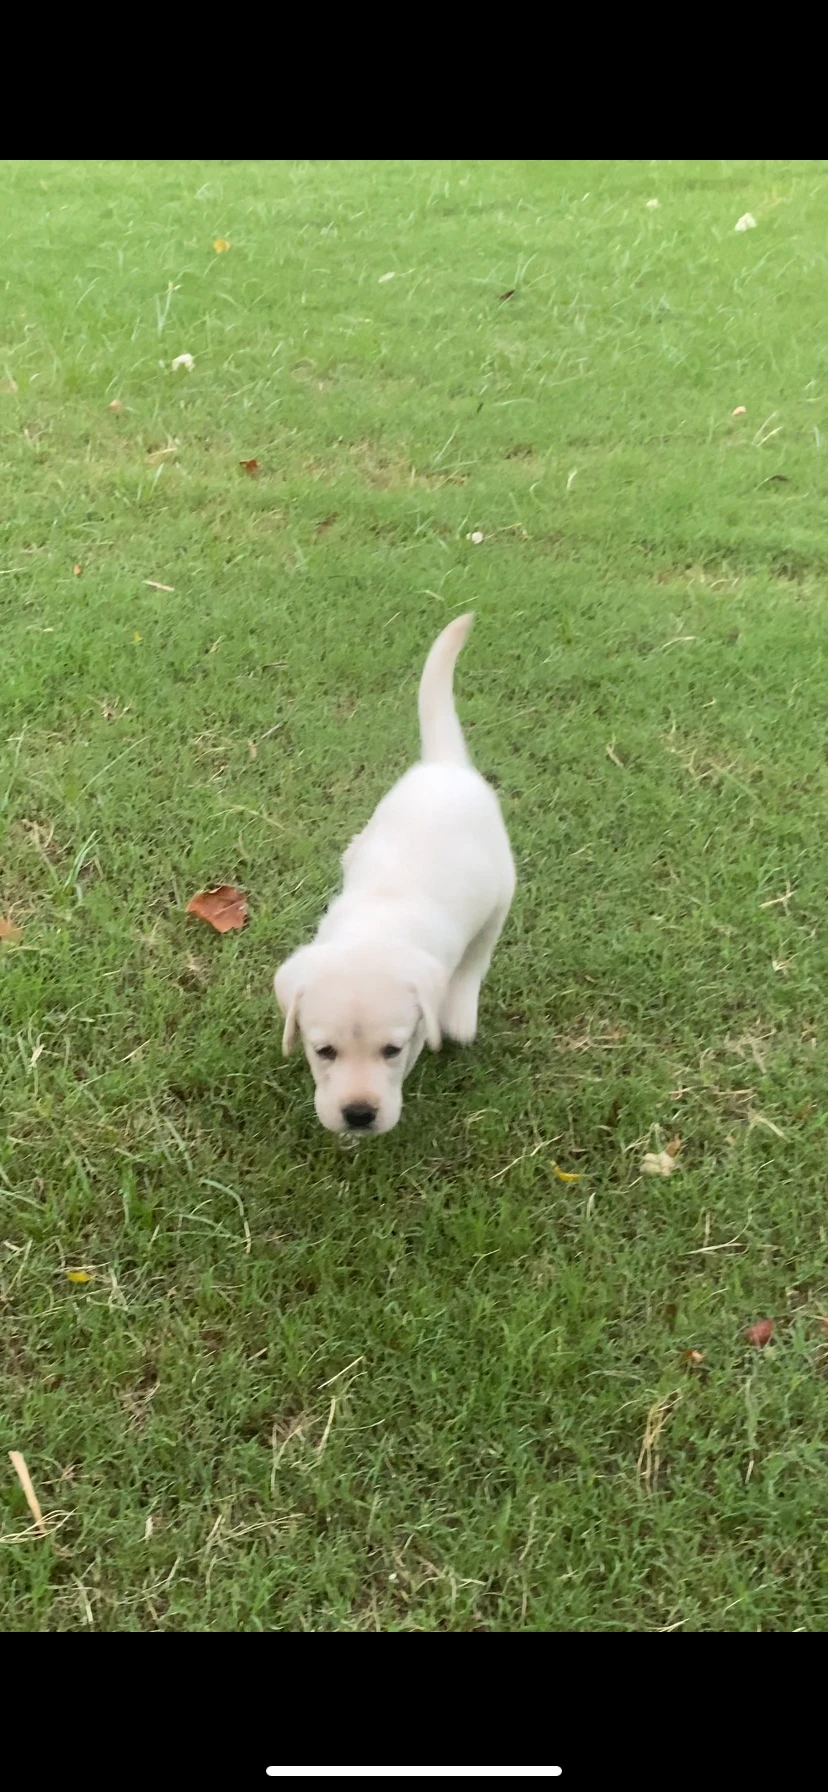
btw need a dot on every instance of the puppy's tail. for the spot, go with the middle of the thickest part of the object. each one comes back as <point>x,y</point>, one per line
<point>440,732</point>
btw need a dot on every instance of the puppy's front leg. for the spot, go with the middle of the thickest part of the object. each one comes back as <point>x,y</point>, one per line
<point>458,1015</point>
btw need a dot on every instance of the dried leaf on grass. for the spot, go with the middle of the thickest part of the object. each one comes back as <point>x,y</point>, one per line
<point>649,1460</point>
<point>78,1275</point>
<point>18,1463</point>
<point>760,1333</point>
<point>224,908</point>
<point>9,932</point>
<point>76,571</point>
<point>566,1175</point>
<point>221,245</point>
<point>755,1119</point>
<point>694,1357</point>
<point>250,466</point>
<point>659,1163</point>
<point>116,405</point>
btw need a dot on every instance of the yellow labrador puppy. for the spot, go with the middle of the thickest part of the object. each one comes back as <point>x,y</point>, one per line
<point>400,955</point>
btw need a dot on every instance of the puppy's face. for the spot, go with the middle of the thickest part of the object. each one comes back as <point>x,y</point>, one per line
<point>363,1019</point>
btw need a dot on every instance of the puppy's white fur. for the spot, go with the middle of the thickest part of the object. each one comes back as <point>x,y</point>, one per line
<point>400,955</point>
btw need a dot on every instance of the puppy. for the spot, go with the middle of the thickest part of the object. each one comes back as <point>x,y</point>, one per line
<point>400,955</point>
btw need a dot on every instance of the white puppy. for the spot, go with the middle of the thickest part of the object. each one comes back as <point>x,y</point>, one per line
<point>400,955</point>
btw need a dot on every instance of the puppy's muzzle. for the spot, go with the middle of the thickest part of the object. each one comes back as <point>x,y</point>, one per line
<point>358,1115</point>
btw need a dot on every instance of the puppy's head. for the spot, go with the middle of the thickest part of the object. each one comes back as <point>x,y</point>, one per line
<point>363,1015</point>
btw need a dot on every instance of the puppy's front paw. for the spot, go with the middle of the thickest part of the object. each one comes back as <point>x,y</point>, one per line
<point>458,1017</point>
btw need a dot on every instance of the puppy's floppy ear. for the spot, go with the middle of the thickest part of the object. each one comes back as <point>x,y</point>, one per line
<point>430,987</point>
<point>288,983</point>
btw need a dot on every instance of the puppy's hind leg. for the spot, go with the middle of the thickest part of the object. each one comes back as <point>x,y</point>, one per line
<point>458,1015</point>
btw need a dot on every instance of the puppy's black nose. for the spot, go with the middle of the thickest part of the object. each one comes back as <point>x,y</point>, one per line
<point>359,1115</point>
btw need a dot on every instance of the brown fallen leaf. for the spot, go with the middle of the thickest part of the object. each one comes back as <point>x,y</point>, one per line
<point>760,1333</point>
<point>250,466</point>
<point>116,405</point>
<point>674,1146</point>
<point>694,1356</point>
<point>224,908</point>
<point>9,932</point>
<point>507,295</point>
<point>76,571</point>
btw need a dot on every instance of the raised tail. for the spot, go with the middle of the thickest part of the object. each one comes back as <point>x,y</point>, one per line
<point>440,733</point>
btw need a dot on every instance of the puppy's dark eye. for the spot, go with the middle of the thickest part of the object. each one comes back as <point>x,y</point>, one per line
<point>391,1051</point>
<point>326,1051</point>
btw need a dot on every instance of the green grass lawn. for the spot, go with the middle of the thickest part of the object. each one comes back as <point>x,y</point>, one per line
<point>408,1385</point>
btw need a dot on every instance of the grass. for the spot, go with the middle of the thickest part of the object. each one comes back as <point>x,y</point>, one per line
<point>423,1384</point>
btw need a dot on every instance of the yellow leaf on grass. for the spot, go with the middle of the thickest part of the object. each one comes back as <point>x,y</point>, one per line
<point>566,1175</point>
<point>221,245</point>
<point>9,932</point>
<point>78,1275</point>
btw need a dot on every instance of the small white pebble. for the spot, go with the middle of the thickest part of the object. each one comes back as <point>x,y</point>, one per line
<point>476,536</point>
<point>183,361</point>
<point>747,222</point>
